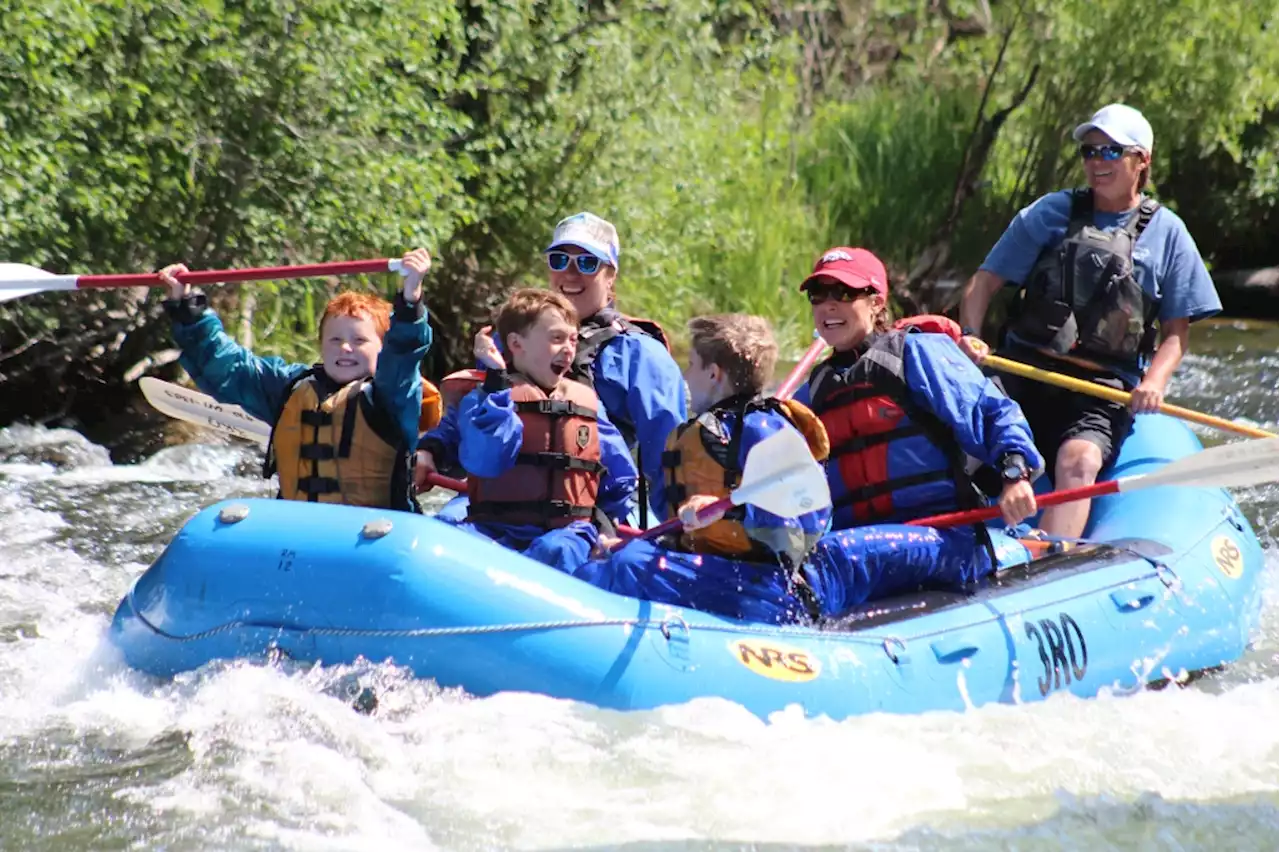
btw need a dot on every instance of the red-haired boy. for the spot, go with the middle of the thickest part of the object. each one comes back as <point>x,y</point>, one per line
<point>342,430</point>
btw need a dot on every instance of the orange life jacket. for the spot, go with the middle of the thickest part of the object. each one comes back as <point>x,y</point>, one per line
<point>339,449</point>
<point>432,407</point>
<point>701,457</point>
<point>556,477</point>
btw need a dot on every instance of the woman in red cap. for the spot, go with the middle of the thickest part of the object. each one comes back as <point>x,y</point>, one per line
<point>907,413</point>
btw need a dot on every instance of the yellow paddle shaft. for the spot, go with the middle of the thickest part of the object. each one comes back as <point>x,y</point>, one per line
<point>1102,392</point>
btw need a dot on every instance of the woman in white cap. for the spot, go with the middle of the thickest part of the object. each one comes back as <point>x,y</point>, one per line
<point>624,358</point>
<point>1109,284</point>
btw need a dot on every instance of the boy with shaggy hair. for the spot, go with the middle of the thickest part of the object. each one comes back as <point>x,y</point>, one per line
<point>546,469</point>
<point>743,563</point>
<point>343,429</point>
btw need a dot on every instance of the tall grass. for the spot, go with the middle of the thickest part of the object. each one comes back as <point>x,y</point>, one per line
<point>880,169</point>
<point>719,222</point>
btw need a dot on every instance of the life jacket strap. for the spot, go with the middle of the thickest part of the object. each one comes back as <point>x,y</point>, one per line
<point>556,408</point>
<point>870,492</point>
<point>858,444</point>
<point>547,509</point>
<point>559,461</point>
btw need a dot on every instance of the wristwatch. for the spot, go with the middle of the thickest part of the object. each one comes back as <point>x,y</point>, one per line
<point>1013,468</point>
<point>967,331</point>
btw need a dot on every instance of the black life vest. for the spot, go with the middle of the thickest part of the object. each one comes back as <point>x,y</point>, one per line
<point>1083,297</point>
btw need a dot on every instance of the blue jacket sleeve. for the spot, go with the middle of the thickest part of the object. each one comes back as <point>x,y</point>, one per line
<point>442,441</point>
<point>986,423</point>
<point>397,381</point>
<point>490,433</point>
<point>230,373</point>
<point>641,385</point>
<point>618,482</point>
<point>791,537</point>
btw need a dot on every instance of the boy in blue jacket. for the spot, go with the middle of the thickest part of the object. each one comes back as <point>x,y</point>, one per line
<point>342,430</point>
<point>624,359</point>
<point>546,469</point>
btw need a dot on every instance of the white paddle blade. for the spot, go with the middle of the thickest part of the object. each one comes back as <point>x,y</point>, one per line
<point>195,407</point>
<point>18,280</point>
<point>1231,465</point>
<point>782,477</point>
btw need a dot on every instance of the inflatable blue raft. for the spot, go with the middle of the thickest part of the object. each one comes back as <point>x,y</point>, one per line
<point>1171,587</point>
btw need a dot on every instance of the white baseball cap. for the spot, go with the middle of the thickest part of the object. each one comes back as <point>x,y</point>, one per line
<point>590,233</point>
<point>1124,124</point>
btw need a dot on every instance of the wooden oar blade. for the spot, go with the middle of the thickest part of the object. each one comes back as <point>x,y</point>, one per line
<point>1235,465</point>
<point>195,407</point>
<point>782,477</point>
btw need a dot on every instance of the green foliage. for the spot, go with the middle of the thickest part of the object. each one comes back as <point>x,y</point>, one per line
<point>1201,71</point>
<point>882,166</point>
<point>730,140</point>
<point>715,221</point>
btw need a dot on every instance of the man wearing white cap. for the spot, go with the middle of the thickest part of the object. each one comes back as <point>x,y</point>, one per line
<point>1109,284</point>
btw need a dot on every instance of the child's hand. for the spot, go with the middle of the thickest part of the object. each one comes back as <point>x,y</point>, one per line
<point>423,464</point>
<point>413,266</point>
<point>689,512</point>
<point>177,290</point>
<point>486,350</point>
<point>604,546</point>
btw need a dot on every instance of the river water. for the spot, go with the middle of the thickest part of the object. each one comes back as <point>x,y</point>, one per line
<point>242,756</point>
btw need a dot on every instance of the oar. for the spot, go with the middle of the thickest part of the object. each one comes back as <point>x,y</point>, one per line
<point>1026,371</point>
<point>801,370</point>
<point>18,279</point>
<point>780,476</point>
<point>194,407</point>
<point>1228,466</point>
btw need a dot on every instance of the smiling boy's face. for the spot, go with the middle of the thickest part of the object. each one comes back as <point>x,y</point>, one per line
<point>349,348</point>
<point>544,352</point>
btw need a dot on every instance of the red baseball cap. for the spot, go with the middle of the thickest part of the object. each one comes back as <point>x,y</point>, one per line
<point>852,267</point>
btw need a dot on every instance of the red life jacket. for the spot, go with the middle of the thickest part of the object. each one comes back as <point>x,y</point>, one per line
<point>884,448</point>
<point>932,323</point>
<point>556,476</point>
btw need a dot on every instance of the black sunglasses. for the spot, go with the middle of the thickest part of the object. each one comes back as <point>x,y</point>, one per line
<point>819,293</point>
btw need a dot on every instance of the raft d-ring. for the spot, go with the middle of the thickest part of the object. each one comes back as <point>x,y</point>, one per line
<point>888,646</point>
<point>376,529</point>
<point>233,514</point>
<point>677,620</point>
<point>1171,581</point>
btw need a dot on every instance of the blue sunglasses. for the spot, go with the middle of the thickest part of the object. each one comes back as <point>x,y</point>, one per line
<point>559,262</point>
<point>1109,153</point>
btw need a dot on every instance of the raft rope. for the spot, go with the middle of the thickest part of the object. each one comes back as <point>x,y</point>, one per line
<point>665,626</point>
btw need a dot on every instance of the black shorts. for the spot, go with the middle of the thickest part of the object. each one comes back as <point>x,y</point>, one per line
<point>1056,414</point>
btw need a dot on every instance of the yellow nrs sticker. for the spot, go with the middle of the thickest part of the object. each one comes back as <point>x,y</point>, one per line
<point>779,662</point>
<point>1227,556</point>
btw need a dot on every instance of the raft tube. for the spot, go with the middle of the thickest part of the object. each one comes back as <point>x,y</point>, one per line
<point>1172,586</point>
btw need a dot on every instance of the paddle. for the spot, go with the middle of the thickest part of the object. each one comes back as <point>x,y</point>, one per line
<point>1231,465</point>
<point>780,476</point>
<point>800,371</point>
<point>1026,371</point>
<point>18,279</point>
<point>194,407</point>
